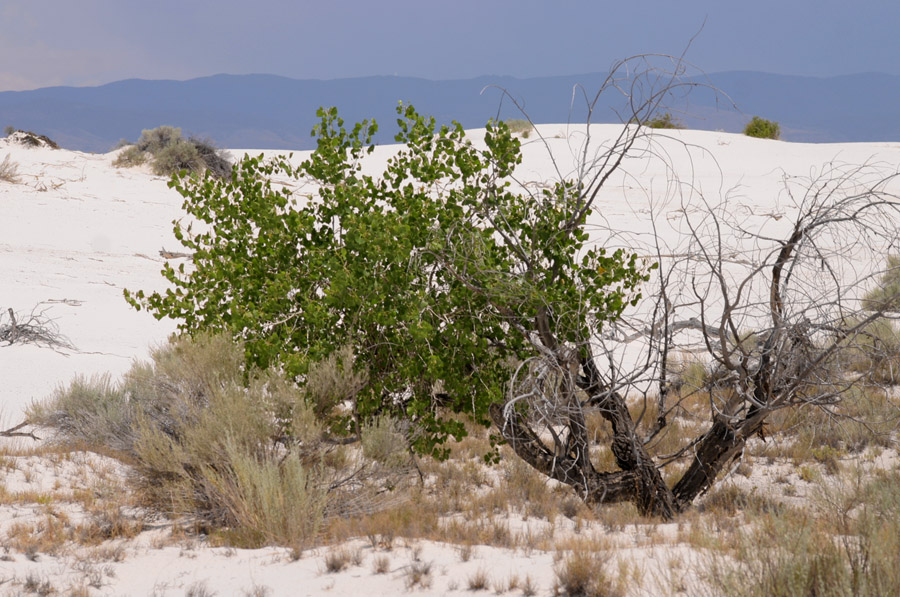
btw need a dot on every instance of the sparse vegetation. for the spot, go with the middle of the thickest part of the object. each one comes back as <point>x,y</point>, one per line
<point>168,153</point>
<point>663,121</point>
<point>9,170</point>
<point>303,438</point>
<point>479,580</point>
<point>847,542</point>
<point>762,128</point>
<point>29,139</point>
<point>520,126</point>
<point>418,574</point>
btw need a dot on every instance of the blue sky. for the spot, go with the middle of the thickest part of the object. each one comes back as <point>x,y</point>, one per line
<point>90,42</point>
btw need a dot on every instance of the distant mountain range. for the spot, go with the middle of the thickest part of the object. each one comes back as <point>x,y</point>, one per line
<point>267,111</point>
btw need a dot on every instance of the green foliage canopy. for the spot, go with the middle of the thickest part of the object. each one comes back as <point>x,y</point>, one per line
<point>433,272</point>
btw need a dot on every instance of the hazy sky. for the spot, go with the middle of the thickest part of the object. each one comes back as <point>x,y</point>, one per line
<point>90,42</point>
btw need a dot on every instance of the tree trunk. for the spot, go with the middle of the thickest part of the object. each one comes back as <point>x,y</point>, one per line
<point>641,485</point>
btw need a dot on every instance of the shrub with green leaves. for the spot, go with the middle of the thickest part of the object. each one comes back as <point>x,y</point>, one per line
<point>433,273</point>
<point>762,128</point>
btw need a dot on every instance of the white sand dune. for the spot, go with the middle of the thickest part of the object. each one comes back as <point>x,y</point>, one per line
<point>75,231</point>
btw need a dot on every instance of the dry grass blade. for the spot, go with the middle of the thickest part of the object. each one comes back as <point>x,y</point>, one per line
<point>9,170</point>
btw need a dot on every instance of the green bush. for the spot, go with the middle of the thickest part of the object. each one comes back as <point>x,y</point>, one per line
<point>762,128</point>
<point>231,447</point>
<point>371,265</point>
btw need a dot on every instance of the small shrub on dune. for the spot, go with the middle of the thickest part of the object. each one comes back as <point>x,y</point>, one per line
<point>762,128</point>
<point>178,156</point>
<point>29,138</point>
<point>214,160</point>
<point>168,152</point>
<point>663,121</point>
<point>130,157</point>
<point>520,126</point>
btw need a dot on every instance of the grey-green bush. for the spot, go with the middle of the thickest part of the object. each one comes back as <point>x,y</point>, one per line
<point>237,450</point>
<point>887,294</point>
<point>520,126</point>
<point>168,152</point>
<point>847,542</point>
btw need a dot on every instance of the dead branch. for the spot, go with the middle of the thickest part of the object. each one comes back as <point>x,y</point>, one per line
<point>37,328</point>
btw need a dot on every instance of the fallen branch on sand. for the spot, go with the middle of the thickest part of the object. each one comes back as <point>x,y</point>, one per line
<point>36,329</point>
<point>14,432</point>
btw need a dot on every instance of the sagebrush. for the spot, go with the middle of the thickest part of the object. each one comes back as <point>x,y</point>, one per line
<point>168,153</point>
<point>234,448</point>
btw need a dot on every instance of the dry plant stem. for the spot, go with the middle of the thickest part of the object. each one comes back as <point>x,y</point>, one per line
<point>14,431</point>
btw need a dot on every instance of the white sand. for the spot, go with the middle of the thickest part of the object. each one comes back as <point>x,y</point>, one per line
<point>75,231</point>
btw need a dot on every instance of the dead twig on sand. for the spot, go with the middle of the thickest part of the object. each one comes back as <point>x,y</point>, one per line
<point>36,329</point>
<point>14,432</point>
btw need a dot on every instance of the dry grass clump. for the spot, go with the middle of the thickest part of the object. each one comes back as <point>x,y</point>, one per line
<point>581,573</point>
<point>168,152</point>
<point>9,170</point>
<point>237,450</point>
<point>847,542</point>
<point>381,564</point>
<point>479,580</point>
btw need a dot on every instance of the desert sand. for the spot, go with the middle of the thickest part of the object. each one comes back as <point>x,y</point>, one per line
<point>75,231</point>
